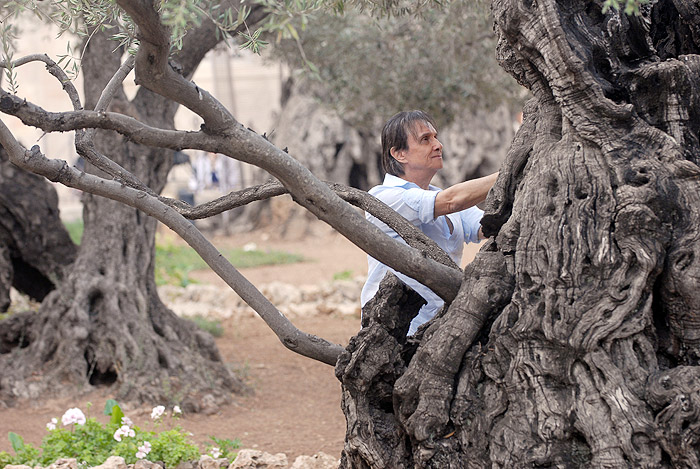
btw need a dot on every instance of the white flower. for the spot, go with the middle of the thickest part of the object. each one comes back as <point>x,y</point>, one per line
<point>143,450</point>
<point>177,410</point>
<point>215,452</point>
<point>157,411</point>
<point>124,430</point>
<point>127,421</point>
<point>73,415</point>
<point>145,447</point>
<point>52,424</point>
<point>250,247</point>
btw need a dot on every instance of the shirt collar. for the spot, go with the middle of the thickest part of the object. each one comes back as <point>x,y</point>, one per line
<point>395,181</point>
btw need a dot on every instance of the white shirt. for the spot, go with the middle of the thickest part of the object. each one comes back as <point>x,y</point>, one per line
<point>418,207</point>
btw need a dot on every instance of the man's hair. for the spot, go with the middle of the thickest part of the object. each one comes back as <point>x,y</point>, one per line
<point>395,135</point>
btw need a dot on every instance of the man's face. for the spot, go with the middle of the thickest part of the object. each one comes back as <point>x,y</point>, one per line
<point>424,152</point>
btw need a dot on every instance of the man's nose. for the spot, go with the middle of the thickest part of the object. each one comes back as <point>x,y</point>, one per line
<point>437,144</point>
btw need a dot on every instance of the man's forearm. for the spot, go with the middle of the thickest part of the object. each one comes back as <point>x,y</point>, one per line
<point>463,195</point>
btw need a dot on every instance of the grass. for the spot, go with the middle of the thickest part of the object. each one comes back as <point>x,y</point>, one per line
<point>75,230</point>
<point>343,275</point>
<point>174,262</point>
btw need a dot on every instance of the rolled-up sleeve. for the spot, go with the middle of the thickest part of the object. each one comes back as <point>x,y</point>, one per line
<point>471,222</point>
<point>422,201</point>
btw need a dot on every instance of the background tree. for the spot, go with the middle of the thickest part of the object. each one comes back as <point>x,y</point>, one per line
<point>105,325</point>
<point>351,72</point>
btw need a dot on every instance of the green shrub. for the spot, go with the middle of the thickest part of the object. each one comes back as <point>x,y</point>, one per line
<point>91,443</point>
<point>224,448</point>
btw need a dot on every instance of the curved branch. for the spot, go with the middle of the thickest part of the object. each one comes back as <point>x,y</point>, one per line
<point>54,70</point>
<point>59,171</point>
<point>154,72</point>
<point>249,147</point>
<point>361,199</point>
<point>412,235</point>
<point>114,84</point>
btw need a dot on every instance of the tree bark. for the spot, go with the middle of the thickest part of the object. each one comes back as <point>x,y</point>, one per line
<point>574,339</point>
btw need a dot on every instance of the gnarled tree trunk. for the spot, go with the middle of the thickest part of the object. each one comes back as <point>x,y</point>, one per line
<point>34,245</point>
<point>105,325</point>
<point>574,339</point>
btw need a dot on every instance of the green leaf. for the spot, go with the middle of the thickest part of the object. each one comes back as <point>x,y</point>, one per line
<point>242,14</point>
<point>109,405</point>
<point>16,441</point>
<point>292,30</point>
<point>117,415</point>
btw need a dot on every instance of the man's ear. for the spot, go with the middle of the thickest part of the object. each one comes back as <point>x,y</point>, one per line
<point>398,155</point>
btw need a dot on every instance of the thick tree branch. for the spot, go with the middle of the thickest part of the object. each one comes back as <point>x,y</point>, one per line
<point>59,171</point>
<point>361,199</point>
<point>251,148</point>
<point>153,72</point>
<point>153,69</point>
<point>134,129</point>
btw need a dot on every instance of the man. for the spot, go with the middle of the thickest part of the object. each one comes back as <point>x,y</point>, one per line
<point>411,156</point>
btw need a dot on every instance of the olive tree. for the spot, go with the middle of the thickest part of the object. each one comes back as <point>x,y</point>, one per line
<point>571,340</point>
<point>103,324</point>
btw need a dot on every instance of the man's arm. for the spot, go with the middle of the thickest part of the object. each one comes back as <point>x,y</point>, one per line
<point>463,195</point>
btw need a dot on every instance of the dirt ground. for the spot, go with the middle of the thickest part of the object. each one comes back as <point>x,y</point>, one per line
<point>295,404</point>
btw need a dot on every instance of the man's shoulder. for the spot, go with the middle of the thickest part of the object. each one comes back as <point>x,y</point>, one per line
<point>386,189</point>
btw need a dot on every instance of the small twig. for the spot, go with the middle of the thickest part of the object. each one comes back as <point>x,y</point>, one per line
<point>114,83</point>
<point>55,70</point>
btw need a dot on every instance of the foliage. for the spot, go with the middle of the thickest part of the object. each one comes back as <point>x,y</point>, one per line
<point>7,37</point>
<point>72,16</point>
<point>225,448</point>
<point>172,447</point>
<point>441,60</point>
<point>92,443</point>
